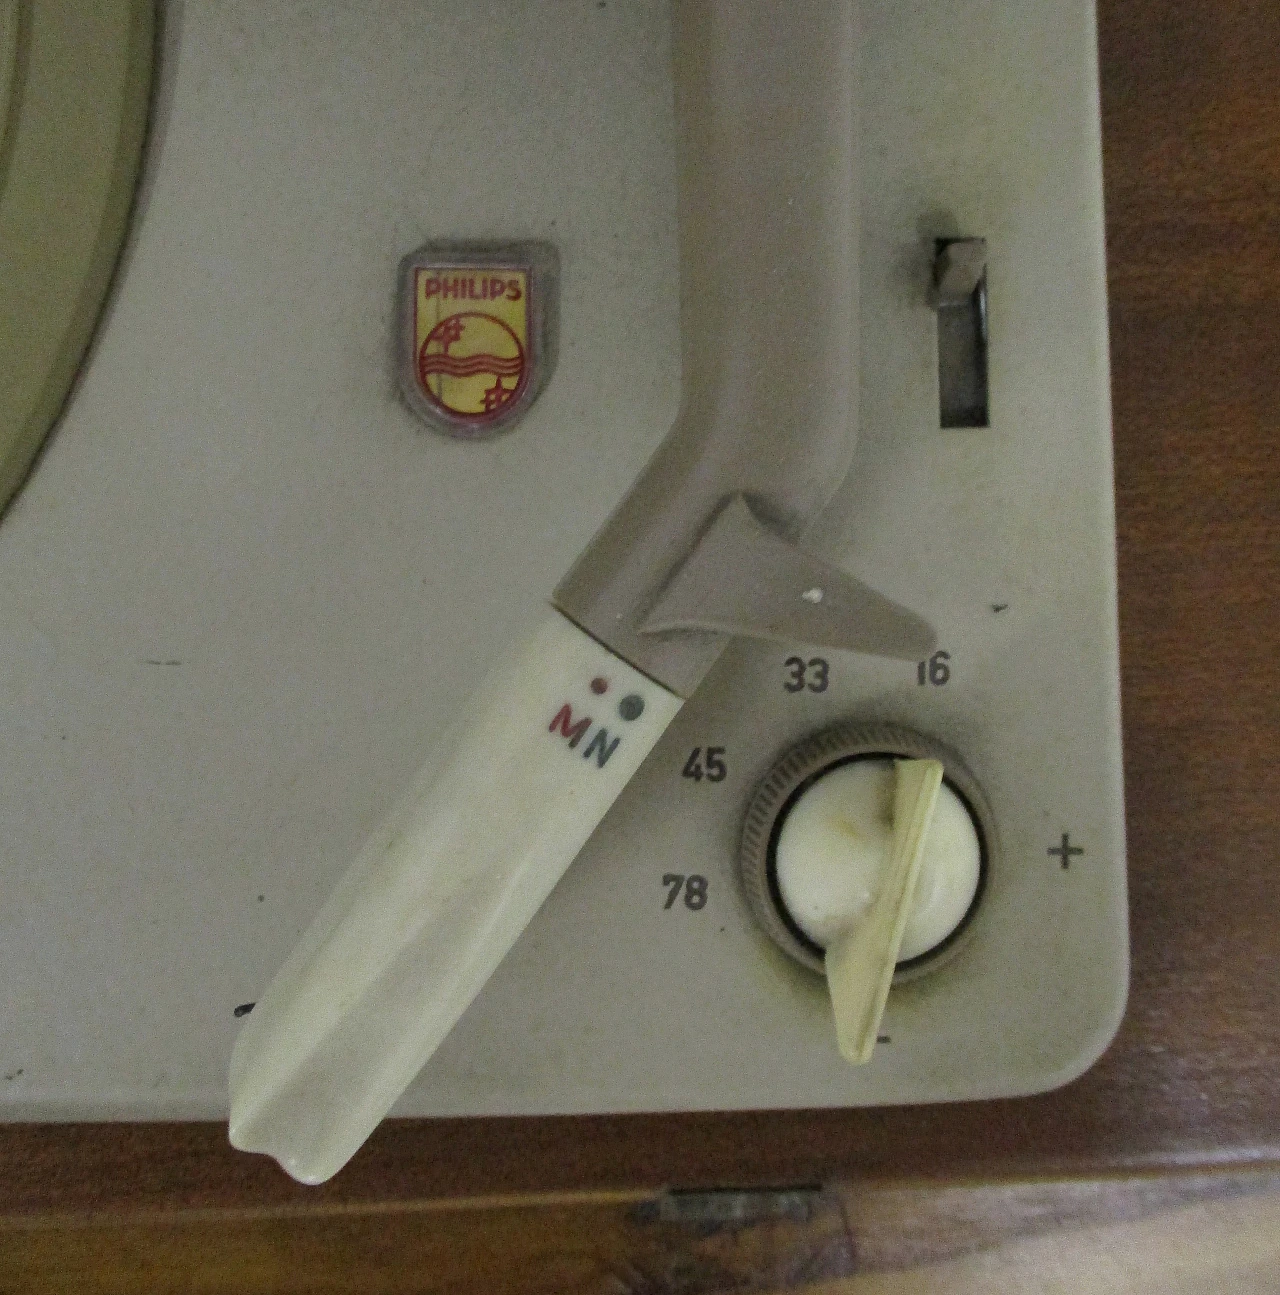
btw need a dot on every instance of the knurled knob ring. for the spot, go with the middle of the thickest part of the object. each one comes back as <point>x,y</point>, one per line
<point>793,774</point>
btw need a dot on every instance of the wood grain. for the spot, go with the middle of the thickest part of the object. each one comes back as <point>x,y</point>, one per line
<point>1192,141</point>
<point>840,1241</point>
<point>1202,1250</point>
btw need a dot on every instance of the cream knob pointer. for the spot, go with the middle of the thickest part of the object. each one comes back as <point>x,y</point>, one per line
<point>707,545</point>
<point>862,954</point>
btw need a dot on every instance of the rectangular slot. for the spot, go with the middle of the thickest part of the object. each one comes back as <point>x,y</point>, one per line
<point>962,353</point>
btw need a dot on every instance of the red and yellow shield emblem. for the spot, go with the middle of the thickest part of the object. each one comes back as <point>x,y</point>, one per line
<point>477,331</point>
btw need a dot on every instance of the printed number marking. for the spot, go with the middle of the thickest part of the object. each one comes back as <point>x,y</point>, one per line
<point>694,888</point>
<point>935,670</point>
<point>814,674</point>
<point>675,881</point>
<point>714,770</point>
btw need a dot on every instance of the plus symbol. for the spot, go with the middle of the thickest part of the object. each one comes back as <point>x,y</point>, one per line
<point>1065,850</point>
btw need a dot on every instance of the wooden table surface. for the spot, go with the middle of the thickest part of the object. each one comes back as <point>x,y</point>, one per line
<point>1191,104</point>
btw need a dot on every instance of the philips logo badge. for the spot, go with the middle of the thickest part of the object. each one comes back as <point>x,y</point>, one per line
<point>477,332</point>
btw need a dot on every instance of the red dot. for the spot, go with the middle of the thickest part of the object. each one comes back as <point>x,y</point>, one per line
<point>599,686</point>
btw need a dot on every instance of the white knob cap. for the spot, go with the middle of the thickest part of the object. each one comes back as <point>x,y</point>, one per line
<point>833,850</point>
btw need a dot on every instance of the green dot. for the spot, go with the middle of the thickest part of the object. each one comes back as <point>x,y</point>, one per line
<point>631,707</point>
